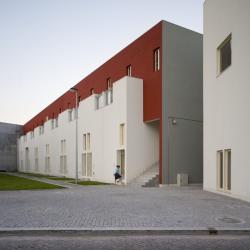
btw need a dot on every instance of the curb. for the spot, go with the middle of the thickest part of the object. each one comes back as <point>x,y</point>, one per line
<point>120,231</point>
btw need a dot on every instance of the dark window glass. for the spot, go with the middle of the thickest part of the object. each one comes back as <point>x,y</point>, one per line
<point>225,54</point>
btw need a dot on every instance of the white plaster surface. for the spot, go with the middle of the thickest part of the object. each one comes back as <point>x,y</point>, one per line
<point>226,97</point>
<point>141,140</point>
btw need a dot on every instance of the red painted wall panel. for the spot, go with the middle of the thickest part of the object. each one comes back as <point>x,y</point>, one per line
<point>140,55</point>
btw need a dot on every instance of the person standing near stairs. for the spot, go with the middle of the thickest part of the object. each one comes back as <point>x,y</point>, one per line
<point>117,174</point>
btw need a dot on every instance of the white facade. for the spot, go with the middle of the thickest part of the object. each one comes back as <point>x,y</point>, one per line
<point>227,96</point>
<point>110,126</point>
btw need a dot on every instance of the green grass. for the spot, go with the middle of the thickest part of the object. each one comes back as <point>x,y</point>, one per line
<point>89,183</point>
<point>56,178</point>
<point>10,182</point>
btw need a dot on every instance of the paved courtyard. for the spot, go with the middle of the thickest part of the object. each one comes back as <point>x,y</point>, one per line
<point>121,207</point>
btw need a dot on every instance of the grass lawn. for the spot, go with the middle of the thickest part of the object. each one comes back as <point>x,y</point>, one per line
<point>56,178</point>
<point>10,182</point>
<point>89,183</point>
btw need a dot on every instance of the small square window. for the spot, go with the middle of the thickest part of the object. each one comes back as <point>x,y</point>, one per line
<point>129,70</point>
<point>224,55</point>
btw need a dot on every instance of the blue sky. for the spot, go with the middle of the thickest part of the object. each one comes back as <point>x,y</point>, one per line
<point>47,46</point>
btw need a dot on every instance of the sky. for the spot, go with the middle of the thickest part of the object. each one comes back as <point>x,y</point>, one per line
<point>47,46</point>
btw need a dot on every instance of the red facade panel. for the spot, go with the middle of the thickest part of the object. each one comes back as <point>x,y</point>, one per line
<point>139,55</point>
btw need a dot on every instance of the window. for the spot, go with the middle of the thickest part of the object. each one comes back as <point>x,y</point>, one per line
<point>86,142</point>
<point>52,123</point>
<point>63,158</point>
<point>36,159</point>
<point>122,134</point>
<point>224,54</point>
<point>47,159</point>
<point>157,59</point>
<point>92,91</point>
<point>21,160</point>
<point>129,70</point>
<point>224,170</point>
<point>31,134</point>
<point>220,170</point>
<point>56,122</point>
<point>109,85</point>
<point>79,98</point>
<point>41,129</point>
<point>228,169</point>
<point>86,156</point>
<point>109,96</point>
<point>70,115</point>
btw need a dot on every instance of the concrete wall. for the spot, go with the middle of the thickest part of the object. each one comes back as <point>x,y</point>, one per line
<point>141,141</point>
<point>226,97</point>
<point>8,146</point>
<point>182,101</point>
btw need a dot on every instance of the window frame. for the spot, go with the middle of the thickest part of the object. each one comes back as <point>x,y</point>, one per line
<point>129,70</point>
<point>157,59</point>
<point>218,55</point>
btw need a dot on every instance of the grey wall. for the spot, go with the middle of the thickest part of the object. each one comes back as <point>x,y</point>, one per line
<point>8,146</point>
<point>183,102</point>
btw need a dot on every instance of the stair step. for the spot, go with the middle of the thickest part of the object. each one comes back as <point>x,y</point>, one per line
<point>150,178</point>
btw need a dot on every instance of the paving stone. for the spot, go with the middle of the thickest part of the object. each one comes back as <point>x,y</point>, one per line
<point>121,207</point>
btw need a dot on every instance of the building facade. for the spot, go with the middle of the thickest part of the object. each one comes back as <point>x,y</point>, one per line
<point>141,108</point>
<point>9,134</point>
<point>226,97</point>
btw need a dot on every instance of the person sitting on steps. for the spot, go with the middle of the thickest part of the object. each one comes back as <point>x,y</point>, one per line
<point>117,174</point>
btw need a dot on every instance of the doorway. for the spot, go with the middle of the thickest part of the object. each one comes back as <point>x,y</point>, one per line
<point>121,162</point>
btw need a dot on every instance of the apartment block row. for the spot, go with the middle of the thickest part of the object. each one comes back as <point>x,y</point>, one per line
<point>173,99</point>
<point>140,110</point>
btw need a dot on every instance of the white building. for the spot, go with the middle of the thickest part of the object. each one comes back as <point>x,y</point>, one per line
<point>226,95</point>
<point>109,121</point>
<point>142,109</point>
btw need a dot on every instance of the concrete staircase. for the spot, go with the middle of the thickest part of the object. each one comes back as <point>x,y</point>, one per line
<point>150,178</point>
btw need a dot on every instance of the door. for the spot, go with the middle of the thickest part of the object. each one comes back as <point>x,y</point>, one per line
<point>121,161</point>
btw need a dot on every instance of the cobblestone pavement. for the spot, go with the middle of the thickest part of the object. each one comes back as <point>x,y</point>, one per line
<point>121,207</point>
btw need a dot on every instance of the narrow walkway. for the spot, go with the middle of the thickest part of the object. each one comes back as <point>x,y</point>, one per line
<point>60,183</point>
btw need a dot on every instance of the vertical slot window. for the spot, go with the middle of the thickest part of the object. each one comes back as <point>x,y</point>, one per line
<point>157,59</point>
